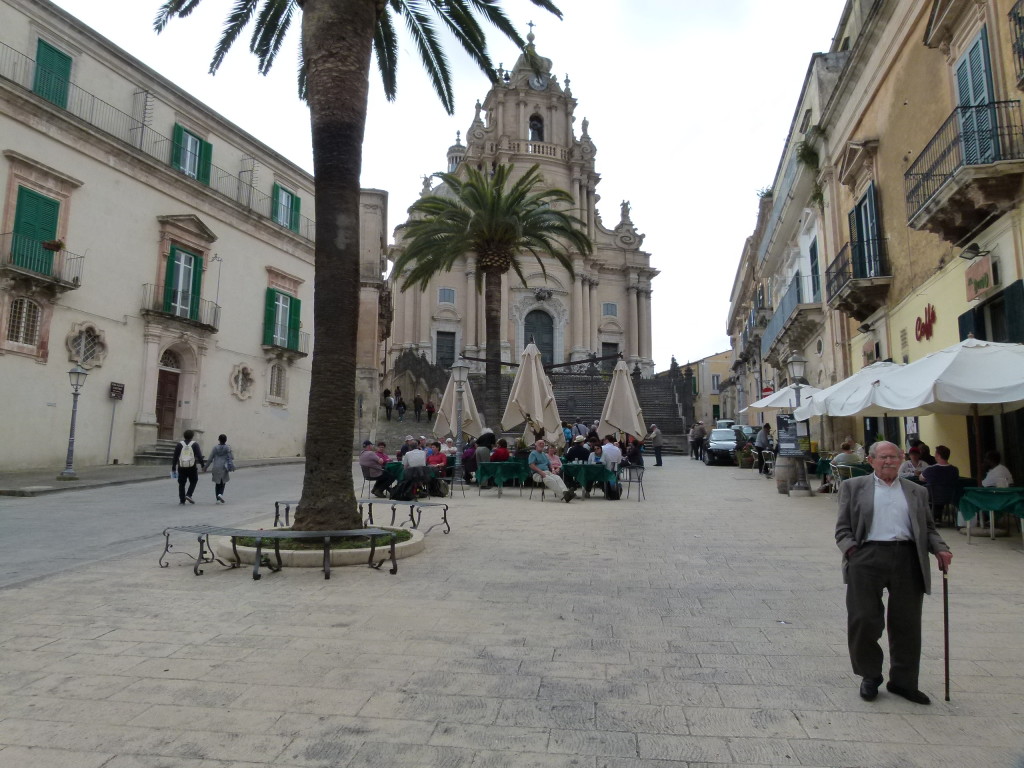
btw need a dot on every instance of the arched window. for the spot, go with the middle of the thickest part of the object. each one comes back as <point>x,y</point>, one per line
<point>170,359</point>
<point>536,128</point>
<point>278,382</point>
<point>86,346</point>
<point>23,322</point>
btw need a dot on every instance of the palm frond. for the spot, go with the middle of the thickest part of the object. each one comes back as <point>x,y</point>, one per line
<point>172,9</point>
<point>271,27</point>
<point>237,20</point>
<point>434,60</point>
<point>385,46</point>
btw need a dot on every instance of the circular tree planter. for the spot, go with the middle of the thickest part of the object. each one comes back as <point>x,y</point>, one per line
<point>314,558</point>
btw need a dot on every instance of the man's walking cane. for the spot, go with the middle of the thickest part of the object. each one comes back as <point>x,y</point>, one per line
<point>945,621</point>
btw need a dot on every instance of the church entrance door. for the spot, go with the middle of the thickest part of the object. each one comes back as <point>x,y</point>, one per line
<point>541,328</point>
<point>166,403</point>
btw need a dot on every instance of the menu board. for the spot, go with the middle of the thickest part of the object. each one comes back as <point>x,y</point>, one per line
<point>792,436</point>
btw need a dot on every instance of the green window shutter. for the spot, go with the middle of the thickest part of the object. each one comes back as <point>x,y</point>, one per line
<point>269,315</point>
<point>35,221</point>
<point>53,74</point>
<point>293,225</point>
<point>205,161</point>
<point>294,316</point>
<point>177,142</point>
<point>197,288</point>
<point>275,200</point>
<point>169,281</point>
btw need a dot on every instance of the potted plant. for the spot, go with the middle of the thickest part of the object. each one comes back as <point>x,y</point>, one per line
<point>745,457</point>
<point>53,245</point>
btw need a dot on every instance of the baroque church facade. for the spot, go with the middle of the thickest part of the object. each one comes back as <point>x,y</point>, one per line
<point>528,118</point>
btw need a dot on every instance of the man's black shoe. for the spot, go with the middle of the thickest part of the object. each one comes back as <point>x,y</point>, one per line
<point>869,688</point>
<point>910,694</point>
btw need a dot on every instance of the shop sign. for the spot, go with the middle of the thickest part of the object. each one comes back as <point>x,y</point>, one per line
<point>979,278</point>
<point>925,325</point>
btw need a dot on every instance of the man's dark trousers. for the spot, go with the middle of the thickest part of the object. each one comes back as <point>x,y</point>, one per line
<point>383,481</point>
<point>657,455</point>
<point>894,567</point>
<point>191,475</point>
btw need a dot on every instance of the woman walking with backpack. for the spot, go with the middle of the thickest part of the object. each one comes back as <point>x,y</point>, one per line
<point>222,463</point>
<point>185,466</point>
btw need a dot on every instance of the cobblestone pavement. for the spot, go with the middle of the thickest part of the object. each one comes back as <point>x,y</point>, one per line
<point>702,627</point>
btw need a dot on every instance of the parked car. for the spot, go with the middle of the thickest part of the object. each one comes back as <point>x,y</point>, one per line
<point>720,447</point>
<point>723,423</point>
<point>744,434</point>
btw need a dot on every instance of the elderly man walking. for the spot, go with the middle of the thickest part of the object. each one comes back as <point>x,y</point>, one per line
<point>885,531</point>
<point>654,435</point>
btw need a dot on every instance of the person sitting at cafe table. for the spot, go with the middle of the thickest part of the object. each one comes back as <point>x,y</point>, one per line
<point>578,451</point>
<point>926,452</point>
<point>556,461</point>
<point>857,448</point>
<point>997,475</point>
<point>913,466</point>
<point>540,465</point>
<point>943,482</point>
<point>845,457</point>
<point>500,452</point>
<point>437,457</point>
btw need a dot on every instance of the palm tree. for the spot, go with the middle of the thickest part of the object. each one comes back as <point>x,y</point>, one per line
<point>338,39</point>
<point>478,215</point>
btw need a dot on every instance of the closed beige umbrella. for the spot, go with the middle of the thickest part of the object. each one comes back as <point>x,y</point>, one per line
<point>532,399</point>
<point>444,422</point>
<point>621,412</point>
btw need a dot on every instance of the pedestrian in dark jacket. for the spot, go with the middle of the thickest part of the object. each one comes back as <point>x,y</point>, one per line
<point>186,467</point>
<point>222,464</point>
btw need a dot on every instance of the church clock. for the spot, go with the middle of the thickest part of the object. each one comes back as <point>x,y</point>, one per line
<point>538,82</point>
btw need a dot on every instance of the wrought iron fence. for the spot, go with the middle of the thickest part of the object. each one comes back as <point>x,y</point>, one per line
<point>20,69</point>
<point>972,135</point>
<point>859,260</point>
<point>29,254</point>
<point>285,338</point>
<point>801,290</point>
<point>169,301</point>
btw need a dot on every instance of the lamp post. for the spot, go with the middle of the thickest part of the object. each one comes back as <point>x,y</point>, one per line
<point>77,376</point>
<point>797,365</point>
<point>460,374</point>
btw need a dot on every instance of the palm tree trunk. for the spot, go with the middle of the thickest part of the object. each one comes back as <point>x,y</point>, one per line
<point>336,37</point>
<point>492,371</point>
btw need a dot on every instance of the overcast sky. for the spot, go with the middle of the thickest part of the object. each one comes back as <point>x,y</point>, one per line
<point>689,103</point>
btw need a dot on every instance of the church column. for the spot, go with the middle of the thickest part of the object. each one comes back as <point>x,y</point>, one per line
<point>632,335</point>
<point>590,210</point>
<point>423,337</point>
<point>505,333</point>
<point>469,321</point>
<point>577,305</point>
<point>645,323</point>
<point>150,373</point>
<point>408,301</point>
<point>586,318</point>
<point>595,318</point>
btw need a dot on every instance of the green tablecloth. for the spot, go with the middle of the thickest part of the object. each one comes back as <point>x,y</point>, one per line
<point>587,474</point>
<point>995,499</point>
<point>500,472</point>
<point>395,469</point>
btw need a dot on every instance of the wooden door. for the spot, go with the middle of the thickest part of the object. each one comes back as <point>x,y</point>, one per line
<point>166,403</point>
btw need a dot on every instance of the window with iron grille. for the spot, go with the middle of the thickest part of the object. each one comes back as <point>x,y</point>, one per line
<point>23,322</point>
<point>1017,36</point>
<point>86,346</point>
<point>278,382</point>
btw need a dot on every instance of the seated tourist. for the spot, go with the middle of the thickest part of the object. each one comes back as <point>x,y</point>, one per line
<point>500,452</point>
<point>846,456</point>
<point>914,465</point>
<point>943,482</point>
<point>997,475</point>
<point>554,460</point>
<point>437,457</point>
<point>578,451</point>
<point>540,465</point>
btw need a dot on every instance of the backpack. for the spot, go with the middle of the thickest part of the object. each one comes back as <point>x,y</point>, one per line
<point>612,491</point>
<point>187,458</point>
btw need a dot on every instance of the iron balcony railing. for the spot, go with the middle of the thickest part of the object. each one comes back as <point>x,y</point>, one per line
<point>802,290</point>
<point>858,260</point>
<point>284,338</point>
<point>169,301</point>
<point>20,69</point>
<point>45,259</point>
<point>976,135</point>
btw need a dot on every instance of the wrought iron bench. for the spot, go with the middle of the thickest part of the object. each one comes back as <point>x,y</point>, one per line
<point>204,532</point>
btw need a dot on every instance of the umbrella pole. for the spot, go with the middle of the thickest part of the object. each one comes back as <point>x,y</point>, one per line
<point>977,444</point>
<point>945,622</point>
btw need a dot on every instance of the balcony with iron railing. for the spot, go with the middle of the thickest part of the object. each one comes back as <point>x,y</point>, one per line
<point>797,317</point>
<point>284,341</point>
<point>858,279</point>
<point>21,70</point>
<point>167,302</point>
<point>1016,16</point>
<point>970,170</point>
<point>45,264</point>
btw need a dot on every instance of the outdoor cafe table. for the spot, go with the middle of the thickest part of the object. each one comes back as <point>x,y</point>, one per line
<point>395,469</point>
<point>975,500</point>
<point>500,472</point>
<point>587,474</point>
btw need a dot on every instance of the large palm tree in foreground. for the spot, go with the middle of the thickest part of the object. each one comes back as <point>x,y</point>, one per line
<point>478,215</point>
<point>338,39</point>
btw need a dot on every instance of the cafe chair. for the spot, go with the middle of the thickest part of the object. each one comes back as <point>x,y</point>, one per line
<point>629,476</point>
<point>840,472</point>
<point>366,479</point>
<point>768,457</point>
<point>536,482</point>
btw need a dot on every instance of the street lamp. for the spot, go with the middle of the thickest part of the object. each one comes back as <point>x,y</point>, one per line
<point>796,365</point>
<point>77,376</point>
<point>460,374</point>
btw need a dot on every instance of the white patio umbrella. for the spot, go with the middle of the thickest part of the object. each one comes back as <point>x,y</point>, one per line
<point>532,399</point>
<point>974,377</point>
<point>854,395</point>
<point>444,421</point>
<point>784,398</point>
<point>621,411</point>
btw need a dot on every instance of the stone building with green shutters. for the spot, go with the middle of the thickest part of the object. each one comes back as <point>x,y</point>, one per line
<point>159,246</point>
